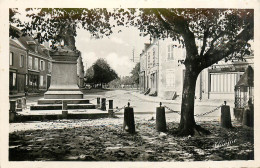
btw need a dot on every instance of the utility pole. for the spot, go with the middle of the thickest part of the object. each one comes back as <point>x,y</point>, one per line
<point>133,53</point>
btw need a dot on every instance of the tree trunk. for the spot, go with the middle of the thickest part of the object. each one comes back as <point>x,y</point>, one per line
<point>187,123</point>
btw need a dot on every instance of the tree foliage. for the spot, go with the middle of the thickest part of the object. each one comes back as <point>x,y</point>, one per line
<point>49,23</point>
<point>135,73</point>
<point>100,73</point>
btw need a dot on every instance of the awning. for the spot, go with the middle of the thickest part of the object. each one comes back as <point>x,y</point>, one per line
<point>247,78</point>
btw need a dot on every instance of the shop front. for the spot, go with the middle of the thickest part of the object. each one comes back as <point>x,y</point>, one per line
<point>33,81</point>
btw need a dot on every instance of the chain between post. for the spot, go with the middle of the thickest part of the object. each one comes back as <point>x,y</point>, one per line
<point>119,109</point>
<point>211,111</point>
<point>197,115</point>
<point>172,110</point>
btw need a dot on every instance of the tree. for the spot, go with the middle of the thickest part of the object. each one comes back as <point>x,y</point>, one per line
<point>100,73</point>
<point>89,76</point>
<point>224,34</point>
<point>135,73</point>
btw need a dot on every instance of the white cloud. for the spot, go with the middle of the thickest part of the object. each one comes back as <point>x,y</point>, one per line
<point>121,64</point>
<point>88,59</point>
<point>119,41</point>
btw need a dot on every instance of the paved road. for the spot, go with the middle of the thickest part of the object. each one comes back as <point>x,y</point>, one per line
<point>142,106</point>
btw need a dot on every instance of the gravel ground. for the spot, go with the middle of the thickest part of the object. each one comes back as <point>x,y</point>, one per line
<point>104,140</point>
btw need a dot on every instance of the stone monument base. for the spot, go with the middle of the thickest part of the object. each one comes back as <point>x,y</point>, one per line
<point>63,94</point>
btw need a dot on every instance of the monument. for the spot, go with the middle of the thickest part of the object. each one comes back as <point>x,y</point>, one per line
<point>63,85</point>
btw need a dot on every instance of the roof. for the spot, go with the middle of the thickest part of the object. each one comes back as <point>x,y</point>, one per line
<point>15,42</point>
<point>26,41</point>
<point>247,78</point>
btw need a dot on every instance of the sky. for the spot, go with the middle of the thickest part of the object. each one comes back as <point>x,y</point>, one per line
<point>117,49</point>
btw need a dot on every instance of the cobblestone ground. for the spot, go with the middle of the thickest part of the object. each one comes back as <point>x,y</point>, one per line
<point>104,140</point>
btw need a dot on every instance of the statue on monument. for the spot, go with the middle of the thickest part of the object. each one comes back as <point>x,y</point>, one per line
<point>67,36</point>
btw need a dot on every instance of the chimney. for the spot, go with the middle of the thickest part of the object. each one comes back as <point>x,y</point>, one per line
<point>146,45</point>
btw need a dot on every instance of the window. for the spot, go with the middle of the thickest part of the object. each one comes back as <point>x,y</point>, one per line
<point>26,79</point>
<point>170,78</point>
<point>149,61</point>
<point>14,79</point>
<point>154,57</point>
<point>170,52</point>
<point>36,64</point>
<point>223,82</point>
<point>42,65</point>
<point>11,58</point>
<point>49,66</point>
<point>30,62</point>
<point>21,61</point>
<point>41,80</point>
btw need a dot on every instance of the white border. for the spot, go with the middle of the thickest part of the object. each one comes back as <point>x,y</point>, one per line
<point>4,68</point>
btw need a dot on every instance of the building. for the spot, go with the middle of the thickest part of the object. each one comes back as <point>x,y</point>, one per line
<point>161,70</point>
<point>149,68</point>
<point>30,66</point>
<point>220,79</point>
<point>171,71</point>
<point>38,65</point>
<point>17,68</point>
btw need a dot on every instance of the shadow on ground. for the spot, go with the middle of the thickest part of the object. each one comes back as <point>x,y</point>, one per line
<point>110,143</point>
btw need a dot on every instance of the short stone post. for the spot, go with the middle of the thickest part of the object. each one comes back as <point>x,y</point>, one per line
<point>19,104</point>
<point>24,102</point>
<point>110,108</point>
<point>160,119</point>
<point>103,104</point>
<point>129,121</point>
<point>225,116</point>
<point>98,102</point>
<point>248,115</point>
<point>12,111</point>
<point>64,109</point>
<point>248,119</point>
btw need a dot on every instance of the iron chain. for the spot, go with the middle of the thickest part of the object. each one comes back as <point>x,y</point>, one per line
<point>197,115</point>
<point>211,111</point>
<point>172,110</point>
<point>119,109</point>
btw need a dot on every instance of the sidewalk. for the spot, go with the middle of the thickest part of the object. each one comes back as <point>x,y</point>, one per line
<point>203,102</point>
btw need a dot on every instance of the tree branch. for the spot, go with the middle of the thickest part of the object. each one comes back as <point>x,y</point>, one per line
<point>213,56</point>
<point>181,26</point>
<point>206,34</point>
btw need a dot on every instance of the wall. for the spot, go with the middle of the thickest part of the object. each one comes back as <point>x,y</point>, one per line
<point>17,72</point>
<point>171,72</point>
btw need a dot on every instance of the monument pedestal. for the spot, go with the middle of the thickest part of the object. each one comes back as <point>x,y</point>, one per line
<point>64,75</point>
<point>63,85</point>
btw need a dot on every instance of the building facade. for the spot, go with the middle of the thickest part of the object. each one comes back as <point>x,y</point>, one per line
<point>30,66</point>
<point>149,68</point>
<point>39,65</point>
<point>17,68</point>
<point>219,80</point>
<point>161,69</point>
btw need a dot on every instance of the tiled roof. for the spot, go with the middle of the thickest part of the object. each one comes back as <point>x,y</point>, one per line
<point>247,78</point>
<point>24,40</point>
<point>15,42</point>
